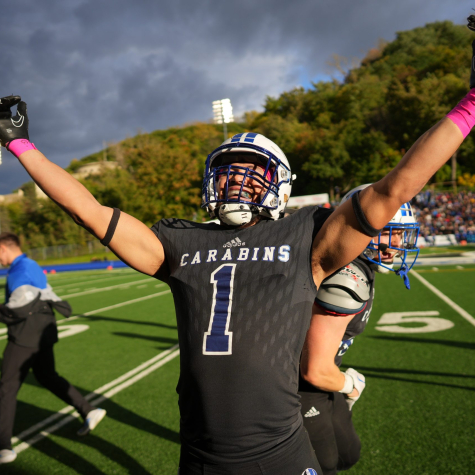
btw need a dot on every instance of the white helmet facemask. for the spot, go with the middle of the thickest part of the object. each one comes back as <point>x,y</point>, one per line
<point>234,171</point>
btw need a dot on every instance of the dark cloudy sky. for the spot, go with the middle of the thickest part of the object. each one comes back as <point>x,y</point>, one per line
<point>95,71</point>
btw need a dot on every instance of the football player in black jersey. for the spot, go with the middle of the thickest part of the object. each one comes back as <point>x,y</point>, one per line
<point>244,288</point>
<point>340,313</point>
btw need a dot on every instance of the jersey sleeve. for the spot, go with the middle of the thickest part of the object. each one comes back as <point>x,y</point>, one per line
<point>162,231</point>
<point>319,217</point>
<point>156,229</point>
<point>346,292</point>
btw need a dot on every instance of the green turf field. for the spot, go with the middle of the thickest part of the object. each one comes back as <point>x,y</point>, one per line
<point>415,417</point>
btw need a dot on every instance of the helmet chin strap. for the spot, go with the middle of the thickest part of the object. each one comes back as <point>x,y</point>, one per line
<point>237,214</point>
<point>402,272</point>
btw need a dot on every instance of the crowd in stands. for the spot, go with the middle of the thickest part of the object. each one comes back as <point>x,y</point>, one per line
<point>446,213</point>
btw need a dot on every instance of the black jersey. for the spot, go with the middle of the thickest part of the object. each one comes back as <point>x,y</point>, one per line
<point>243,303</point>
<point>356,325</point>
<point>359,321</point>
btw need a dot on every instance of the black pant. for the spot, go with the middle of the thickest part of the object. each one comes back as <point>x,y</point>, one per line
<point>17,361</point>
<point>328,421</point>
<point>293,457</point>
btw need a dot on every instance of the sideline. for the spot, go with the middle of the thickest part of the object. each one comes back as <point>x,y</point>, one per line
<point>444,297</point>
<point>135,375</point>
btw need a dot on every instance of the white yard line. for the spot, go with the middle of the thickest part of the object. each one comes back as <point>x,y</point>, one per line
<point>142,371</point>
<point>115,277</point>
<point>67,276</point>
<point>163,358</point>
<point>444,297</point>
<point>102,289</point>
<point>110,307</point>
<point>117,305</point>
<point>138,377</point>
<point>97,392</point>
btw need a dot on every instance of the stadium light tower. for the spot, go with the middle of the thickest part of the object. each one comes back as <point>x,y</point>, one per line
<point>223,114</point>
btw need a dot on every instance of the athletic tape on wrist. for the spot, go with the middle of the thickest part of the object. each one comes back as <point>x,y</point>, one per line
<point>111,229</point>
<point>19,146</point>
<point>463,114</point>
<point>349,384</point>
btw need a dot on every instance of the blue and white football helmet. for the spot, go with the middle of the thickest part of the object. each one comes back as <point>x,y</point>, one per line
<point>276,180</point>
<point>404,224</point>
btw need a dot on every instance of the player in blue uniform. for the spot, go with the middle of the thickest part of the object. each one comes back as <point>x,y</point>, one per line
<point>341,311</point>
<point>244,288</point>
<point>28,313</point>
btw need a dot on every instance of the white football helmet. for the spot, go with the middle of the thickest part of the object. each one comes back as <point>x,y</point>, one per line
<point>232,208</point>
<point>403,223</point>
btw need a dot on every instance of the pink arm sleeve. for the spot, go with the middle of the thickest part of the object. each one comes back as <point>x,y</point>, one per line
<point>463,114</point>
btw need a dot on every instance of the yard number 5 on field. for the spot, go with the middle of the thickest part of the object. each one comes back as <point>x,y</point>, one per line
<point>392,321</point>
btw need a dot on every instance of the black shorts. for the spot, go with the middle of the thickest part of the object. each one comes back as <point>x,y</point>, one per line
<point>296,458</point>
<point>328,422</point>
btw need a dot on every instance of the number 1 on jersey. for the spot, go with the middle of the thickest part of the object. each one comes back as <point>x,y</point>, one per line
<point>218,339</point>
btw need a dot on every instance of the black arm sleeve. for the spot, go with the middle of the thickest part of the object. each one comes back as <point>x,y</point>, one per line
<point>62,307</point>
<point>360,216</point>
<point>8,316</point>
<point>111,229</point>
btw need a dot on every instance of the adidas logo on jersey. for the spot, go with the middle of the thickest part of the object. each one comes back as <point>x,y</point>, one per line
<point>312,412</point>
<point>234,243</point>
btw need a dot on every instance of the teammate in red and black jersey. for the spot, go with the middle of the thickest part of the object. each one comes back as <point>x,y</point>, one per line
<point>340,313</point>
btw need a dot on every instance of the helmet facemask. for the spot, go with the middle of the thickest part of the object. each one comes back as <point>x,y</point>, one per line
<point>395,241</point>
<point>235,192</point>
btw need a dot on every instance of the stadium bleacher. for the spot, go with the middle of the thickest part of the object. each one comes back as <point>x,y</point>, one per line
<point>446,218</point>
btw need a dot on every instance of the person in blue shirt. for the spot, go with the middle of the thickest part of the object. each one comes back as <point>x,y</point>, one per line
<point>32,332</point>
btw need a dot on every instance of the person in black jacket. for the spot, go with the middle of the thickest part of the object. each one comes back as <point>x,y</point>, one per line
<point>32,332</point>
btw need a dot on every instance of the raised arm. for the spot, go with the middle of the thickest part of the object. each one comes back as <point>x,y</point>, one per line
<point>133,242</point>
<point>341,239</point>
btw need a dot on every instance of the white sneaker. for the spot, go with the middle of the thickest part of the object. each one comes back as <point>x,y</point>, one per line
<point>92,419</point>
<point>7,456</point>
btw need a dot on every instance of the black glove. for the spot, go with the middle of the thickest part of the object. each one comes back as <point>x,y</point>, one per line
<point>16,127</point>
<point>472,68</point>
<point>471,22</point>
<point>471,26</point>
